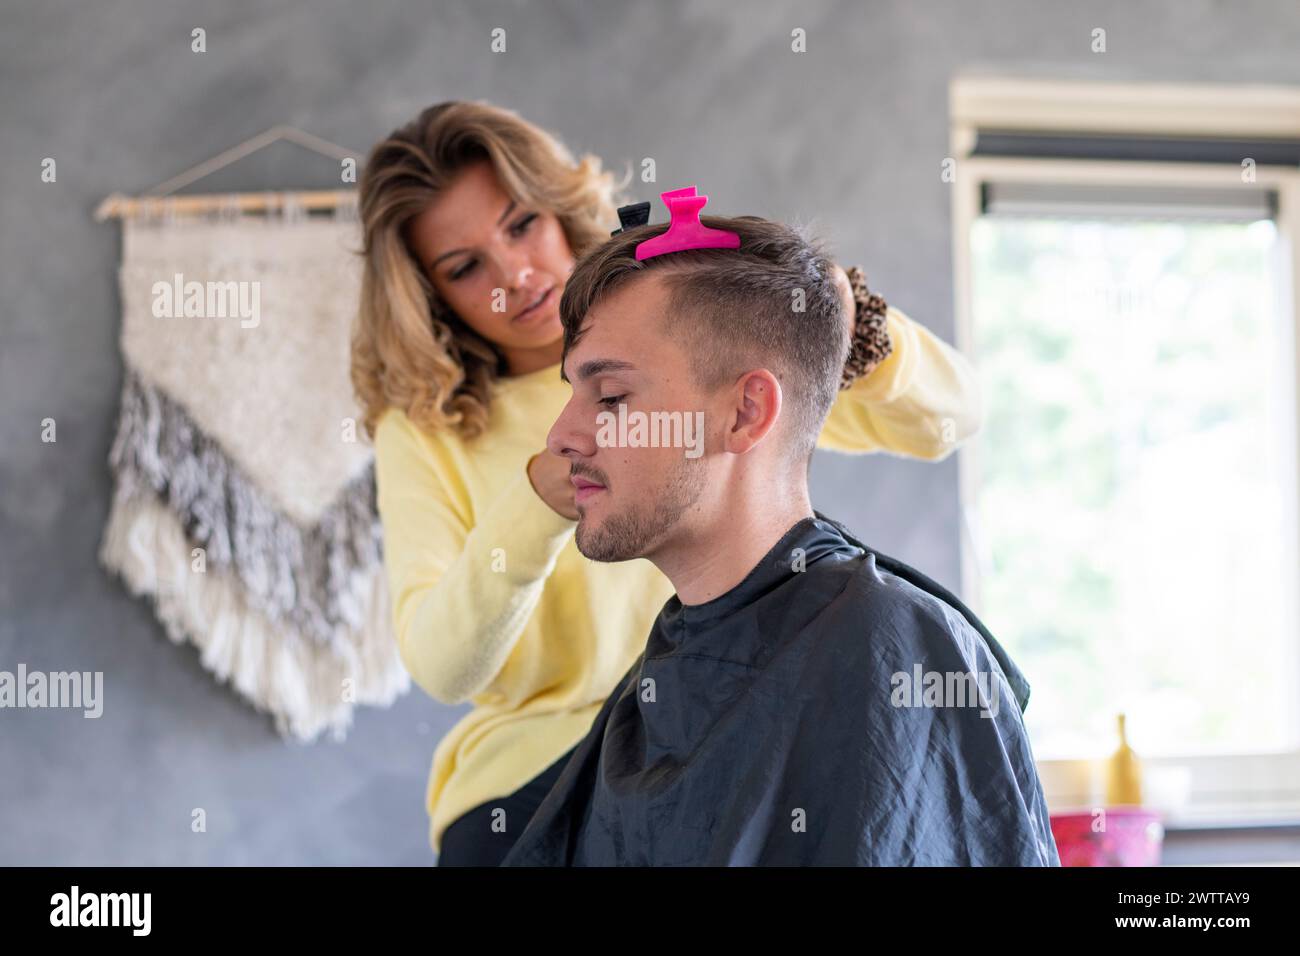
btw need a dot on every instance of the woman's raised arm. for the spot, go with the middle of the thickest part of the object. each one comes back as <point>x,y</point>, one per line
<point>922,400</point>
<point>462,594</point>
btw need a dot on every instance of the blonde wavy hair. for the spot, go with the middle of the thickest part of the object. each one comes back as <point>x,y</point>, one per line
<point>409,349</point>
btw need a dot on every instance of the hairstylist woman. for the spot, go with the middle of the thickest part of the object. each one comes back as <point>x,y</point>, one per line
<point>473,218</point>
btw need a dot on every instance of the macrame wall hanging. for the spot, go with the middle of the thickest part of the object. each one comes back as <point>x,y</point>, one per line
<point>244,500</point>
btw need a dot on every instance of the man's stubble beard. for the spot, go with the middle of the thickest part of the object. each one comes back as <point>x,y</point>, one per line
<point>633,532</point>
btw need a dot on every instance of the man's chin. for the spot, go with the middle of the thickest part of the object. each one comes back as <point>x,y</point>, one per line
<point>594,541</point>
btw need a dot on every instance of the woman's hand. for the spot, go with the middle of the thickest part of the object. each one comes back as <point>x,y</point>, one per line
<point>866,314</point>
<point>846,294</point>
<point>549,474</point>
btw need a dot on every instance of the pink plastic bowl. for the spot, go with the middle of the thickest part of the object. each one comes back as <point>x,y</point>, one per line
<point>1126,836</point>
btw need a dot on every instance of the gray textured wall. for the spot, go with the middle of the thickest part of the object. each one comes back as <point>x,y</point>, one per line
<point>849,135</point>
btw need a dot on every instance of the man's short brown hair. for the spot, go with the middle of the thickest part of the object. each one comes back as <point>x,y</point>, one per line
<point>771,303</point>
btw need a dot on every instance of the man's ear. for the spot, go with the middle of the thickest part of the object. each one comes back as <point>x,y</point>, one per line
<point>756,406</point>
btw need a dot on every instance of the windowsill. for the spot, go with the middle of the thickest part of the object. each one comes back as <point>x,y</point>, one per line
<point>1282,826</point>
<point>1241,830</point>
<point>1235,843</point>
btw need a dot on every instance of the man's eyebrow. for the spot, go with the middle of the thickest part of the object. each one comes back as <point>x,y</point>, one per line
<point>598,367</point>
<point>453,252</point>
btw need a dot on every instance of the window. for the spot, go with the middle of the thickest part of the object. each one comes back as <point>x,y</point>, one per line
<point>1132,499</point>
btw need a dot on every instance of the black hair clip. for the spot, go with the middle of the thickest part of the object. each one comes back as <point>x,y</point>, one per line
<point>629,217</point>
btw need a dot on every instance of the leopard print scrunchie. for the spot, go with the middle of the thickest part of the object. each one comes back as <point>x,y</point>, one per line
<point>871,344</point>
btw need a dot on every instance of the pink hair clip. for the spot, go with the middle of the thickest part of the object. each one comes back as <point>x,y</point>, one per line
<point>685,231</point>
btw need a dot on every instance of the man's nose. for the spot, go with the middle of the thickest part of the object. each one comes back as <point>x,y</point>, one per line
<point>569,438</point>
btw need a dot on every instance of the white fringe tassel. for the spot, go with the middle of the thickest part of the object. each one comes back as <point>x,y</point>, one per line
<point>297,681</point>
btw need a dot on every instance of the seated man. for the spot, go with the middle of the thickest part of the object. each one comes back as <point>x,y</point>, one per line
<point>802,699</point>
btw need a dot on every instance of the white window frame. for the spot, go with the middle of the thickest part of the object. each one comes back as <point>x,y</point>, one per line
<point>1227,788</point>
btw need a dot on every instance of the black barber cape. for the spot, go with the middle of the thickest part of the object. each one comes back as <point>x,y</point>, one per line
<point>794,721</point>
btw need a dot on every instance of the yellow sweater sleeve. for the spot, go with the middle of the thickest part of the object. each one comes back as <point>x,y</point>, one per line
<point>921,401</point>
<point>459,603</point>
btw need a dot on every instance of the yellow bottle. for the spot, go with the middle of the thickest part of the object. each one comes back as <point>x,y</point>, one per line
<point>1123,774</point>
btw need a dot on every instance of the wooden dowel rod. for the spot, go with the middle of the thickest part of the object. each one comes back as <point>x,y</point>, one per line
<point>119,205</point>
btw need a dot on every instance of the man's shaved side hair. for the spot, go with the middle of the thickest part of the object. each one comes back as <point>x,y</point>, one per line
<point>772,303</point>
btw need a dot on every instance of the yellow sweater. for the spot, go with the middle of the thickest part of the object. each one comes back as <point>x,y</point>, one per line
<point>493,603</point>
